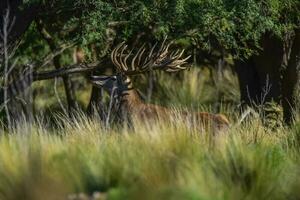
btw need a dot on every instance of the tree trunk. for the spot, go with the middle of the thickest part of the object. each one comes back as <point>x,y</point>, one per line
<point>248,81</point>
<point>260,76</point>
<point>268,65</point>
<point>95,106</point>
<point>290,79</point>
<point>260,81</point>
<point>69,90</point>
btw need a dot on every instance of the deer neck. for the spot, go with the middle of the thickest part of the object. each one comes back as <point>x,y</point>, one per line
<point>130,97</point>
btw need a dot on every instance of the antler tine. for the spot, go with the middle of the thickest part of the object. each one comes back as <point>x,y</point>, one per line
<point>172,70</point>
<point>135,57</point>
<point>174,54</point>
<point>167,47</point>
<point>162,46</point>
<point>176,68</point>
<point>148,58</point>
<point>126,58</point>
<point>180,62</point>
<point>114,56</point>
<point>123,64</point>
<point>176,65</point>
<point>177,55</point>
<point>164,53</point>
<point>185,59</point>
<point>140,56</point>
<point>176,61</point>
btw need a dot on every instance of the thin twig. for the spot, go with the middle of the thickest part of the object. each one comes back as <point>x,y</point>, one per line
<point>4,36</point>
<point>58,98</point>
<point>110,108</point>
<point>51,56</point>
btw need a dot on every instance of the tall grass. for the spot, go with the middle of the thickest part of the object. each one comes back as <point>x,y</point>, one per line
<point>161,161</point>
<point>197,88</point>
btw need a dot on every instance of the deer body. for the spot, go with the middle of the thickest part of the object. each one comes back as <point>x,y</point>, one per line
<point>133,107</point>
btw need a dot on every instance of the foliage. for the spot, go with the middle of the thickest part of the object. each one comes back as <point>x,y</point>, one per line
<point>234,25</point>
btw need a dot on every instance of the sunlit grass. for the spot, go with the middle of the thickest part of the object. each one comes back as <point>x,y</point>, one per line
<point>161,161</point>
<point>197,87</point>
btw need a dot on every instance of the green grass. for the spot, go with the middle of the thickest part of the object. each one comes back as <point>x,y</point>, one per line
<point>153,161</point>
<point>161,161</point>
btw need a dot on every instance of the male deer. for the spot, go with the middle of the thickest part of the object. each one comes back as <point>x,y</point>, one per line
<point>120,87</point>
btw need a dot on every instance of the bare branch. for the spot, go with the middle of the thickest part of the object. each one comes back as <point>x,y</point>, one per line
<point>26,79</point>
<point>51,56</point>
<point>58,98</point>
<point>73,69</point>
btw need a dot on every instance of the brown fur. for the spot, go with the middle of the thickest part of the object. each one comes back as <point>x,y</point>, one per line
<point>133,105</point>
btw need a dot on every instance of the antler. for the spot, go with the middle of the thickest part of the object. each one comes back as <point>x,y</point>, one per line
<point>161,59</point>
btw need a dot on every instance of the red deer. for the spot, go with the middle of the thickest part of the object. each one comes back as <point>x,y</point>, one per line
<point>131,104</point>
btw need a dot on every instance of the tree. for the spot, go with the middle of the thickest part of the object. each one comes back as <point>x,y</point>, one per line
<point>263,38</point>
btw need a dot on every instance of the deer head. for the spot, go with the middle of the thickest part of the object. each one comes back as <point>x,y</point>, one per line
<point>114,84</point>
